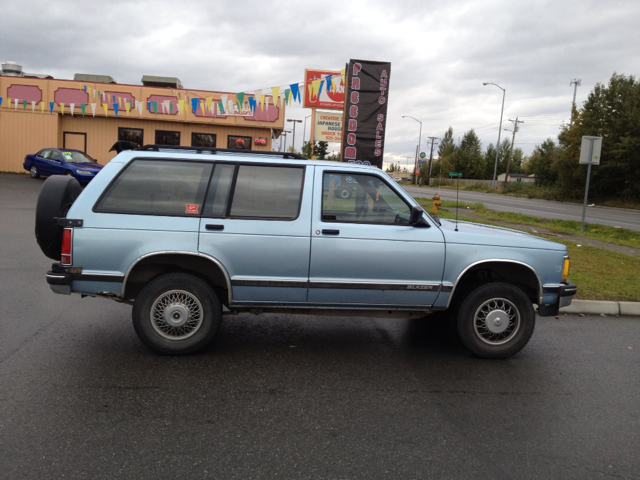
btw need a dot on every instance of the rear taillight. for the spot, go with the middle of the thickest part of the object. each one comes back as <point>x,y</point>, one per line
<point>67,241</point>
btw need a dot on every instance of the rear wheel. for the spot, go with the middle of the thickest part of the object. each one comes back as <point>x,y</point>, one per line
<point>495,320</point>
<point>33,171</point>
<point>177,314</point>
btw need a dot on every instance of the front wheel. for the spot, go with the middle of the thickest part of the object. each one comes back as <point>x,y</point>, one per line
<point>495,320</point>
<point>177,314</point>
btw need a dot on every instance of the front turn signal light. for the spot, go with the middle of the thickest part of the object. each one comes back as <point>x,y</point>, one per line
<point>565,267</point>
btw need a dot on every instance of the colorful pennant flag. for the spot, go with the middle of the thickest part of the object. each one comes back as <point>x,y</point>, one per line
<point>83,106</point>
<point>105,107</point>
<point>41,106</point>
<point>71,106</point>
<point>180,106</point>
<point>51,107</point>
<point>115,108</point>
<point>33,106</point>
<point>155,107</point>
<point>194,105</point>
<point>276,94</point>
<point>93,109</point>
<point>62,108</point>
<point>295,90</point>
<point>202,107</point>
<point>0,101</point>
<point>127,107</point>
<point>15,102</point>
<point>24,105</point>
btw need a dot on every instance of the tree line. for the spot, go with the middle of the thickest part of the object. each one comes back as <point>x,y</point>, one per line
<point>611,111</point>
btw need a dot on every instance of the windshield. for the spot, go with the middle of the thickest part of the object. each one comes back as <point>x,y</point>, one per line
<point>77,157</point>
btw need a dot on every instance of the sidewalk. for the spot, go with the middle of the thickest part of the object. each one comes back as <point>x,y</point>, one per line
<point>593,307</point>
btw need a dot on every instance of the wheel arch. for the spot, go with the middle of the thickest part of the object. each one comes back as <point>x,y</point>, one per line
<point>510,271</point>
<point>151,265</point>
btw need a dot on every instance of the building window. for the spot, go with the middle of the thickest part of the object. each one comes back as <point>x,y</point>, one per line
<point>133,135</point>
<point>236,142</point>
<point>164,137</point>
<point>203,140</point>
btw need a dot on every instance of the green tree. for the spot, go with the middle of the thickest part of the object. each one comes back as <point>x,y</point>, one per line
<point>333,157</point>
<point>542,163</point>
<point>320,150</point>
<point>613,112</point>
<point>447,151</point>
<point>469,158</point>
<point>306,150</point>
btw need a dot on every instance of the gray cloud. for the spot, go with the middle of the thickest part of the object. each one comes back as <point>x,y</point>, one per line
<point>440,53</point>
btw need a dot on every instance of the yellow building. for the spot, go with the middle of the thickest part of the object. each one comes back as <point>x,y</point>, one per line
<point>91,113</point>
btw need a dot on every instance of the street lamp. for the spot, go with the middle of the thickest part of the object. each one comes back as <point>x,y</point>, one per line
<point>304,130</point>
<point>284,134</point>
<point>294,131</point>
<point>495,168</point>
<point>415,165</point>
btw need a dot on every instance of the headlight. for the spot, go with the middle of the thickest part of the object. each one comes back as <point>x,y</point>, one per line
<point>84,172</point>
<point>565,267</point>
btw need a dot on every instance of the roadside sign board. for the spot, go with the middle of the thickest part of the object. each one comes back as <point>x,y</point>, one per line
<point>423,155</point>
<point>455,174</point>
<point>589,155</point>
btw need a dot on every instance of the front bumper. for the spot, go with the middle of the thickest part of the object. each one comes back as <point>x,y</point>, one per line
<point>565,292</point>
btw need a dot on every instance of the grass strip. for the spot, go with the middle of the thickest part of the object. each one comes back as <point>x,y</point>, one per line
<point>599,273</point>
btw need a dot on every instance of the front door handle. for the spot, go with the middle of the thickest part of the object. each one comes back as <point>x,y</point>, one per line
<point>331,232</point>
<point>214,227</point>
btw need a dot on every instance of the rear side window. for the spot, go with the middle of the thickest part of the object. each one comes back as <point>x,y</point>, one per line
<point>158,187</point>
<point>259,192</point>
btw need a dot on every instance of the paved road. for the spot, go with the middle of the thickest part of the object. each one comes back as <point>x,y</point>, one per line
<point>613,217</point>
<point>298,397</point>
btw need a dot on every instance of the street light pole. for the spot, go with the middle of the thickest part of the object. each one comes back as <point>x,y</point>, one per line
<point>294,131</point>
<point>304,130</point>
<point>495,168</point>
<point>415,164</point>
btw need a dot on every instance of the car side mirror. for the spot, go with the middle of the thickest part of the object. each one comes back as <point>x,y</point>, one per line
<point>416,219</point>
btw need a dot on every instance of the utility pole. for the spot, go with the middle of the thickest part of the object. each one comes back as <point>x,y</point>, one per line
<point>513,139</point>
<point>576,82</point>
<point>433,142</point>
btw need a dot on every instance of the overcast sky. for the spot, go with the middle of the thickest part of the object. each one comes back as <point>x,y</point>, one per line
<point>440,53</point>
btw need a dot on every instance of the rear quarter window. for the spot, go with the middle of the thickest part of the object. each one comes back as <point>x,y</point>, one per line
<point>175,188</point>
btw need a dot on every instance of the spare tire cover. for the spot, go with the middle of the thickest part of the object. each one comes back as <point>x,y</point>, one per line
<point>56,197</point>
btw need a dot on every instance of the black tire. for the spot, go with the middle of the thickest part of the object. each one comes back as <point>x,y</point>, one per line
<point>56,197</point>
<point>480,320</point>
<point>33,171</point>
<point>181,298</point>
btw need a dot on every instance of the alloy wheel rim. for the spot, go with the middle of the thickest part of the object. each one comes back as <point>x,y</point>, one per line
<point>176,315</point>
<point>496,321</point>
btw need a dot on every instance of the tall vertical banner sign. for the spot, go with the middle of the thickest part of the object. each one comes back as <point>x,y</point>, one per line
<point>365,112</point>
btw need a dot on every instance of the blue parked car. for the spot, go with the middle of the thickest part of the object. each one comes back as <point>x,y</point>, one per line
<point>62,161</point>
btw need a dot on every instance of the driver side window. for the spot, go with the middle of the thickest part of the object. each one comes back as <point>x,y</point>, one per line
<point>361,199</point>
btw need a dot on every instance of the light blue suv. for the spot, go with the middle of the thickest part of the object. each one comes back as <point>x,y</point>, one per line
<point>180,232</point>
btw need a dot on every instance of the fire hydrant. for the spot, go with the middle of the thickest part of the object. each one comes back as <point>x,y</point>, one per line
<point>436,204</point>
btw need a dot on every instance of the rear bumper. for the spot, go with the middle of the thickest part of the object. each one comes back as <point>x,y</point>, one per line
<point>59,282</point>
<point>565,293</point>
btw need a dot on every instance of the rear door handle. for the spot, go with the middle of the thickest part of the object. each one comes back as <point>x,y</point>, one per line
<point>331,232</point>
<point>214,227</point>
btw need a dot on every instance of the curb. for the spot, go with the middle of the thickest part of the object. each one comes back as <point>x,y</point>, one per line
<point>593,307</point>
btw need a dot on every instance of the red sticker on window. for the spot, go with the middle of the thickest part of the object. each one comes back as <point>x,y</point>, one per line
<point>192,208</point>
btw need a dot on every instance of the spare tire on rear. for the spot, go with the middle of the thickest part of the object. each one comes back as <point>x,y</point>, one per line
<point>56,197</point>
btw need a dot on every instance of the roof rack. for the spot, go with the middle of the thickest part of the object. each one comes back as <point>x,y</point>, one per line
<point>214,150</point>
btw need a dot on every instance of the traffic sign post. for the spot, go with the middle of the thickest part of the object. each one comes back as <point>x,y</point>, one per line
<point>423,155</point>
<point>590,154</point>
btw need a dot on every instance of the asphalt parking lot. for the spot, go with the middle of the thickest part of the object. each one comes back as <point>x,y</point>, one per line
<point>298,397</point>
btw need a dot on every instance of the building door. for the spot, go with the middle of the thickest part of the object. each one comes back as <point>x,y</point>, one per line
<point>75,141</point>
